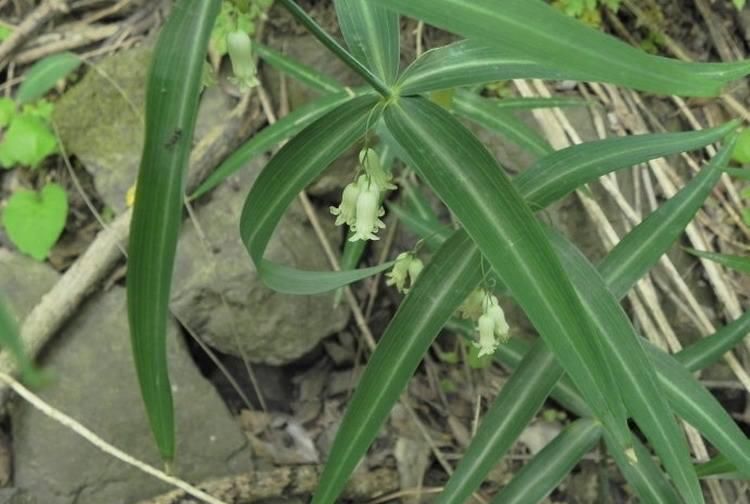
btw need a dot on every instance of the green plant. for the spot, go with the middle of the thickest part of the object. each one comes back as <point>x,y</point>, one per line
<point>34,221</point>
<point>586,10</point>
<point>589,356</point>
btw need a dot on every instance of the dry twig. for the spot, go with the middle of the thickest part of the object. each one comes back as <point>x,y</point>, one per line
<point>33,22</point>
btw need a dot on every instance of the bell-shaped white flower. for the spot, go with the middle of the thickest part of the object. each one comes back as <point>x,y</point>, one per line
<point>370,160</point>
<point>368,214</point>
<point>487,343</point>
<point>498,317</point>
<point>346,212</point>
<point>240,49</point>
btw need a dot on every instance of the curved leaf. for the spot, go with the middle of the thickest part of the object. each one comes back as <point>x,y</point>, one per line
<point>268,137</point>
<point>443,285</point>
<point>562,42</point>
<point>559,173</point>
<point>710,349</point>
<point>171,107</point>
<point>546,470</point>
<point>295,166</point>
<point>44,74</point>
<point>699,408</point>
<point>373,34</point>
<point>469,62</point>
<point>466,177</point>
<point>648,241</point>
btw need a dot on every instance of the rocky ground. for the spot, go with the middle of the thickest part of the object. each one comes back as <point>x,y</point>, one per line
<point>267,401</point>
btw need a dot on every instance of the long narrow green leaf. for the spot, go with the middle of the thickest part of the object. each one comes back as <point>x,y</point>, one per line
<point>523,103</point>
<point>373,34</point>
<point>644,475</point>
<point>738,263</point>
<point>660,229</point>
<point>699,408</point>
<point>44,74</point>
<point>303,73</point>
<point>296,165</point>
<point>466,177</point>
<point>519,400</point>
<point>718,467</point>
<point>556,175</point>
<point>10,341</point>
<point>470,62</point>
<point>534,29</point>
<point>710,349</point>
<point>171,108</point>
<point>667,222</point>
<point>742,173</point>
<point>440,289</point>
<point>683,207</point>
<point>270,136</point>
<point>639,384</point>
<point>546,470</point>
<point>485,113</point>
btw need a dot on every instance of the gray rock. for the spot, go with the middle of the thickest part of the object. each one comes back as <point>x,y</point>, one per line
<point>24,281</point>
<point>95,383</point>
<point>100,121</point>
<point>251,319</point>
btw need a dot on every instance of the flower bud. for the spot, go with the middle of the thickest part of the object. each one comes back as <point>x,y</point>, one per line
<point>399,274</point>
<point>370,160</point>
<point>473,306</point>
<point>406,269</point>
<point>240,50</point>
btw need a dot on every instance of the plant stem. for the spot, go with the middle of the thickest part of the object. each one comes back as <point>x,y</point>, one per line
<point>328,41</point>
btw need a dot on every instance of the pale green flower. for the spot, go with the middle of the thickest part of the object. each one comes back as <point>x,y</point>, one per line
<point>415,268</point>
<point>368,213</point>
<point>399,274</point>
<point>240,49</point>
<point>498,317</point>
<point>487,343</point>
<point>473,306</point>
<point>346,212</point>
<point>406,269</point>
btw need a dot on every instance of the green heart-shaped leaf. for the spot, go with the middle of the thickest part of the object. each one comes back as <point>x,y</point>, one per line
<point>28,140</point>
<point>34,221</point>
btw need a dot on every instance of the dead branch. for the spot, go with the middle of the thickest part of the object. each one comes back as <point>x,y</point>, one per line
<point>33,22</point>
<point>284,482</point>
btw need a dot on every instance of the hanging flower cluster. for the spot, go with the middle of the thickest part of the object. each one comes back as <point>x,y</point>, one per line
<point>360,207</point>
<point>405,270</point>
<point>240,50</point>
<point>493,329</point>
